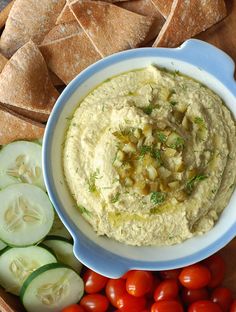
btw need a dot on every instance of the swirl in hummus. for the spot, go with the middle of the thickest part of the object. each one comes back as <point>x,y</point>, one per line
<point>149,157</point>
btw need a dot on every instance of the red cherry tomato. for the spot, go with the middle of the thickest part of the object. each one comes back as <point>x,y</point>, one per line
<point>73,308</point>
<point>167,290</point>
<point>94,303</point>
<point>233,307</point>
<point>139,283</point>
<point>204,306</point>
<point>115,288</point>
<point>223,297</point>
<point>167,306</point>
<point>195,276</point>
<point>170,274</point>
<point>217,267</point>
<point>93,282</point>
<point>191,295</point>
<point>128,303</point>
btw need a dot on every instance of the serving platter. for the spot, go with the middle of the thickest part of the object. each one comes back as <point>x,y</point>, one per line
<point>222,36</point>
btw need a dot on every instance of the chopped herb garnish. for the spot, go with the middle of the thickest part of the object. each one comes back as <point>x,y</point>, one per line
<point>91,181</point>
<point>179,143</point>
<point>145,149</point>
<point>115,198</point>
<point>161,137</point>
<point>83,210</point>
<point>173,103</point>
<point>148,110</point>
<point>157,197</point>
<point>190,184</point>
<point>155,153</point>
<point>199,121</point>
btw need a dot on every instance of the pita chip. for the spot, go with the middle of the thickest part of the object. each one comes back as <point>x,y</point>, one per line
<point>164,6</point>
<point>62,31</point>
<point>15,127</point>
<point>111,28</point>
<point>68,56</point>
<point>3,62</point>
<point>56,81</point>
<point>39,117</point>
<point>29,19</point>
<point>190,17</point>
<point>66,16</point>
<point>146,8</point>
<point>25,82</point>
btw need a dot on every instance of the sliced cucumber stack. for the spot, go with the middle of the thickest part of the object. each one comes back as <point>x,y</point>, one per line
<point>63,249</point>
<point>21,162</point>
<point>26,214</point>
<point>58,229</point>
<point>16,264</point>
<point>51,288</point>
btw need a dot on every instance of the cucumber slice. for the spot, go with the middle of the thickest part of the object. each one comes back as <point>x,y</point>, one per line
<point>21,162</point>
<point>6,180</point>
<point>26,214</point>
<point>58,228</point>
<point>63,250</point>
<point>2,245</point>
<point>16,264</point>
<point>51,288</point>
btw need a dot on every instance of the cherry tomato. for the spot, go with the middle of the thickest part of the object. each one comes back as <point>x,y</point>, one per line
<point>167,306</point>
<point>94,303</point>
<point>93,282</point>
<point>167,290</point>
<point>73,308</point>
<point>195,276</point>
<point>223,297</point>
<point>170,274</point>
<point>128,303</point>
<point>139,283</point>
<point>204,306</point>
<point>233,307</point>
<point>115,288</point>
<point>191,295</point>
<point>217,267</point>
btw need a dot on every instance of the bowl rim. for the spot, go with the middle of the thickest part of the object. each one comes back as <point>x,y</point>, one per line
<point>181,53</point>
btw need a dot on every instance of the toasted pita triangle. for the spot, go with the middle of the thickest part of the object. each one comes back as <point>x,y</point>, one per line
<point>25,81</point>
<point>66,16</point>
<point>68,56</point>
<point>110,28</point>
<point>15,127</point>
<point>3,62</point>
<point>164,6</point>
<point>192,17</point>
<point>39,117</point>
<point>62,31</point>
<point>146,8</point>
<point>29,19</point>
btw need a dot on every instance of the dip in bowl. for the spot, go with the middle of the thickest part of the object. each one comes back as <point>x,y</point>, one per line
<point>147,158</point>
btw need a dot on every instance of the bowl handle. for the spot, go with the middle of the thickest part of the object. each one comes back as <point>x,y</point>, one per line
<point>208,57</point>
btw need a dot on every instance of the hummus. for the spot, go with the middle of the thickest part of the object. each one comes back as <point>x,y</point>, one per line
<point>149,157</point>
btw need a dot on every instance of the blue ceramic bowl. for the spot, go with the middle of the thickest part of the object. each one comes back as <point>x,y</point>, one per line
<point>194,58</point>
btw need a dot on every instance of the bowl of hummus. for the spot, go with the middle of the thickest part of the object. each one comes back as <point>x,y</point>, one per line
<point>139,158</point>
